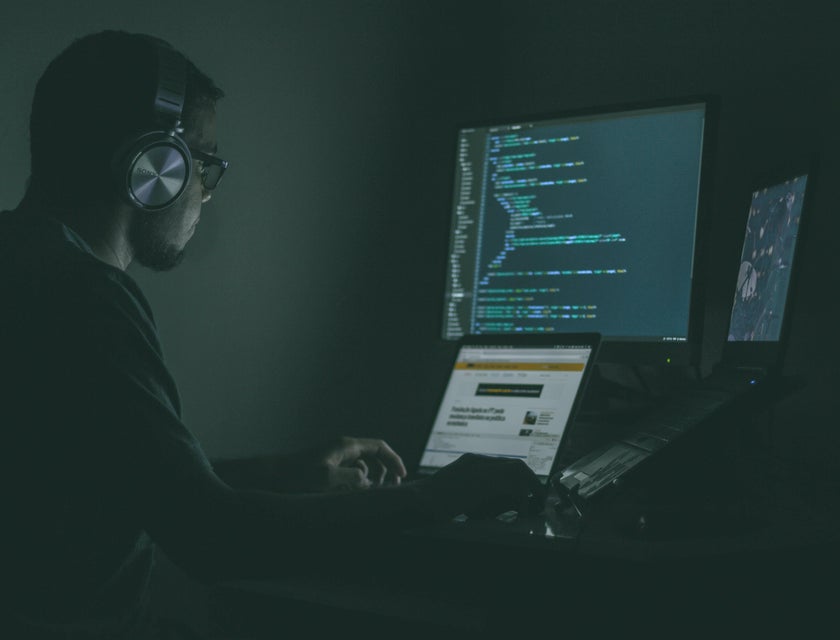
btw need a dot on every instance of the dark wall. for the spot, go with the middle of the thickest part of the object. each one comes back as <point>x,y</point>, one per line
<point>311,300</point>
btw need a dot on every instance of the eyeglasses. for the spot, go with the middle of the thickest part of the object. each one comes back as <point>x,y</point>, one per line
<point>212,168</point>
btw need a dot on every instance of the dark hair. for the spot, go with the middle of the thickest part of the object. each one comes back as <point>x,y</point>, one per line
<point>90,100</point>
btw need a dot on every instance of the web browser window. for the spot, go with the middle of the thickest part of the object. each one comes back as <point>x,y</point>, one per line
<point>506,401</point>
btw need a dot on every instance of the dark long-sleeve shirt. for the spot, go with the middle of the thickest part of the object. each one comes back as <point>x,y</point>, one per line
<point>98,466</point>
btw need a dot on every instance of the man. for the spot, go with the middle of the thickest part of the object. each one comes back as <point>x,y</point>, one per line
<point>99,467</point>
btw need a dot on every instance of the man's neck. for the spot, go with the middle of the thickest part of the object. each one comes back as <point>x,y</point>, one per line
<point>103,228</point>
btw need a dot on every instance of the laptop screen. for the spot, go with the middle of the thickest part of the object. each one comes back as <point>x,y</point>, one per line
<point>763,281</point>
<point>511,401</point>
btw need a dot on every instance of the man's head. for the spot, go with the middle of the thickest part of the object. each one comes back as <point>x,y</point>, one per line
<point>92,101</point>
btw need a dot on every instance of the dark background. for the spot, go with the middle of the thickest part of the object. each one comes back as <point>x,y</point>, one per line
<point>310,302</point>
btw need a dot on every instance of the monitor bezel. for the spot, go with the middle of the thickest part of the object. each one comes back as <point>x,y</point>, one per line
<point>634,351</point>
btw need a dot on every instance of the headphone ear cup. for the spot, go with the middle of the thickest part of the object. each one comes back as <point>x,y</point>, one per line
<point>153,170</point>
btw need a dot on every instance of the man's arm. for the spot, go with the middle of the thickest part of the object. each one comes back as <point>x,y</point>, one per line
<point>161,480</point>
<point>216,532</point>
<point>351,463</point>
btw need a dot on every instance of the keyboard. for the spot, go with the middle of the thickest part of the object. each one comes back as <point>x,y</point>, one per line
<point>682,412</point>
<point>678,415</point>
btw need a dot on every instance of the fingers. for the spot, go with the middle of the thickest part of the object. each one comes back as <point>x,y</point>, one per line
<point>348,478</point>
<point>375,452</point>
<point>374,469</point>
<point>362,465</point>
<point>386,456</point>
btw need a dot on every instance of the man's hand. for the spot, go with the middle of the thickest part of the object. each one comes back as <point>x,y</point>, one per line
<point>356,463</point>
<point>481,486</point>
<point>344,464</point>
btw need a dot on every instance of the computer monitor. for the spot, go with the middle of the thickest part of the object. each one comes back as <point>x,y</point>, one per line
<point>759,320</point>
<point>589,221</point>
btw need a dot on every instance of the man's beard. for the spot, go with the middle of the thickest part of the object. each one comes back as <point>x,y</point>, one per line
<point>148,235</point>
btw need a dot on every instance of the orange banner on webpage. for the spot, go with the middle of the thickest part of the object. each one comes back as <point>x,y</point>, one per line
<point>521,366</point>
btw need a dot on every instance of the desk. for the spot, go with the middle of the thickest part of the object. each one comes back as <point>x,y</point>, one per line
<point>493,577</point>
<point>735,539</point>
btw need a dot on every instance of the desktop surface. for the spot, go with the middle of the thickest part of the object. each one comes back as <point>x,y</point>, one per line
<point>719,527</point>
<point>727,534</point>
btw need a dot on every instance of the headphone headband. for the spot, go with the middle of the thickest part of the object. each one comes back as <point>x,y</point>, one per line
<point>171,88</point>
<point>154,167</point>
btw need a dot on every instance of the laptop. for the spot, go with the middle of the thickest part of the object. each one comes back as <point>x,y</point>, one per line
<point>754,348</point>
<point>512,396</point>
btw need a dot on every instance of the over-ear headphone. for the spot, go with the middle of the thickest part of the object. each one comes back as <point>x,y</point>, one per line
<point>153,168</point>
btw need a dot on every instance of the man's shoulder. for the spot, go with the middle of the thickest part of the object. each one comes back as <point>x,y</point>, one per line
<point>105,307</point>
<point>55,283</point>
<point>100,285</point>
<point>48,262</point>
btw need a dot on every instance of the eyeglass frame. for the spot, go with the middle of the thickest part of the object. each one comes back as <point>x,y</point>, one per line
<point>209,158</point>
